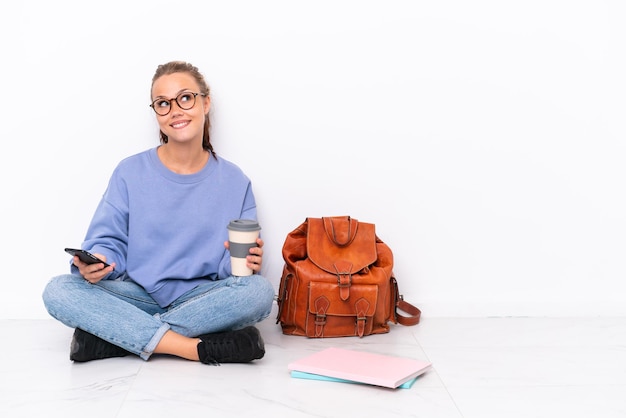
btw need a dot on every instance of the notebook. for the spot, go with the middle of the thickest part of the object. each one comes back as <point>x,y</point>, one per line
<point>361,366</point>
<point>311,376</point>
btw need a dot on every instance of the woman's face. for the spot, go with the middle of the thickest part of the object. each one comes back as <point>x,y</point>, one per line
<point>175,92</point>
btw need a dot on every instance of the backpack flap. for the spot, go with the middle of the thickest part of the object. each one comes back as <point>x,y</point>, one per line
<point>341,245</point>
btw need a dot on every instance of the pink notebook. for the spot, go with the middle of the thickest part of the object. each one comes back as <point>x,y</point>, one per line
<point>360,366</point>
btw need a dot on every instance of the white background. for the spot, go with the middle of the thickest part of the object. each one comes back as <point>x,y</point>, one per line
<point>485,139</point>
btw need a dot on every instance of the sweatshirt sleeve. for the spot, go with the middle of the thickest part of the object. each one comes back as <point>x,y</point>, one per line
<point>108,231</point>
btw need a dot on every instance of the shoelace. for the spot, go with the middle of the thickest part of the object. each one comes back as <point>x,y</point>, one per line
<point>217,349</point>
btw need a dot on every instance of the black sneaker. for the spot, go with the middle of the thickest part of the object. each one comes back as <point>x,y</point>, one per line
<point>240,346</point>
<point>86,347</point>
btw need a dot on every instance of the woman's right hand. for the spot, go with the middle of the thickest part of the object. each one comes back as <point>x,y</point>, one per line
<point>93,273</point>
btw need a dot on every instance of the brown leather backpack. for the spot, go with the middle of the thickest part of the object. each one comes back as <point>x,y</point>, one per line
<point>338,281</point>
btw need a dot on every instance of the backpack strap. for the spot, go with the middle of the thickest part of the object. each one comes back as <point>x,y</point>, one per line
<point>414,314</point>
<point>405,306</point>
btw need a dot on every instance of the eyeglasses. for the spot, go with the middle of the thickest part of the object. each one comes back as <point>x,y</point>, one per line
<point>185,100</point>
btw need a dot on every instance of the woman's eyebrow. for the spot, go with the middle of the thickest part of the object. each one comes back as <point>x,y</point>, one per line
<point>179,92</point>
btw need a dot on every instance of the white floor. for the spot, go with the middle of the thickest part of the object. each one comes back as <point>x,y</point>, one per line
<point>488,367</point>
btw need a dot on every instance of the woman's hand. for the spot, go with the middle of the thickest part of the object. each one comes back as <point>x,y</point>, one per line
<point>93,273</point>
<point>254,260</point>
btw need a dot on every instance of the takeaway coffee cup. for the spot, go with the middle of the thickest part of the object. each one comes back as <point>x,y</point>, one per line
<point>242,235</point>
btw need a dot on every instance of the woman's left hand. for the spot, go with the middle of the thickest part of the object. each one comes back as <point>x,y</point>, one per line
<point>255,258</point>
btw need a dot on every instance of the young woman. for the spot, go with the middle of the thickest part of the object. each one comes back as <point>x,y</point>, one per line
<point>162,228</point>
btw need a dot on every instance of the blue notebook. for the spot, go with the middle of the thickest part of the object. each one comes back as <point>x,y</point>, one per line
<point>303,375</point>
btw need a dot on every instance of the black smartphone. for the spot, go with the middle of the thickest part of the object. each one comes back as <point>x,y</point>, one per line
<point>85,256</point>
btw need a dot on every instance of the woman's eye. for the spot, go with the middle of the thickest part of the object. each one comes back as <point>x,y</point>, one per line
<point>163,103</point>
<point>185,97</point>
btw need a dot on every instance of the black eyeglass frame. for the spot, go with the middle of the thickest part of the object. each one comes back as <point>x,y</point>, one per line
<point>169,101</point>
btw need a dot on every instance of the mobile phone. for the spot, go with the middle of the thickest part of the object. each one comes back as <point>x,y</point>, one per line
<point>85,256</point>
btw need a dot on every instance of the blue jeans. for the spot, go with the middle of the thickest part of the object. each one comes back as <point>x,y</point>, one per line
<point>124,314</point>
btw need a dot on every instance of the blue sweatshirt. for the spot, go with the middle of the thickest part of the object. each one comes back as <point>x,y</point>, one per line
<point>166,231</point>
